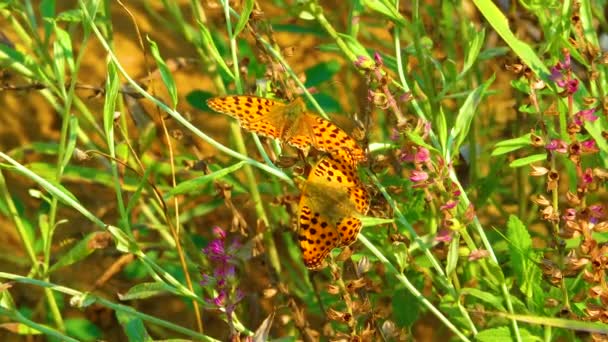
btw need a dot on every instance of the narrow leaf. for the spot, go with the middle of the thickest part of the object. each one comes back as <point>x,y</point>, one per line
<point>528,160</point>
<point>467,112</point>
<point>147,290</point>
<point>196,183</point>
<point>510,145</point>
<point>165,73</point>
<point>247,9</point>
<point>133,326</point>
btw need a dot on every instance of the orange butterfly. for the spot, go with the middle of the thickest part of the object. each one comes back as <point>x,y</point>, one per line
<point>332,201</point>
<point>291,123</point>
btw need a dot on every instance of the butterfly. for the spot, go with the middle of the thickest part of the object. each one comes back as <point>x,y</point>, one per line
<point>290,122</point>
<point>332,201</point>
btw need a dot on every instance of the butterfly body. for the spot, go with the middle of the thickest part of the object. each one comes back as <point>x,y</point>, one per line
<point>290,122</point>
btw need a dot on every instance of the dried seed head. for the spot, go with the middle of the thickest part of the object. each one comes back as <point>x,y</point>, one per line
<point>537,140</point>
<point>552,179</point>
<point>573,200</point>
<point>601,227</point>
<point>541,200</point>
<point>573,128</point>
<point>538,171</point>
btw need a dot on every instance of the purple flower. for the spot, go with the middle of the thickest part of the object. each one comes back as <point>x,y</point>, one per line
<point>556,74</point>
<point>223,260</point>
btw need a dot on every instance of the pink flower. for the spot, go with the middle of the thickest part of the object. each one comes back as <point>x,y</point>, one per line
<point>588,176</point>
<point>418,176</point>
<point>589,146</point>
<point>571,86</point>
<point>478,254</point>
<point>378,59</point>
<point>557,145</point>
<point>422,155</point>
<point>394,134</point>
<point>597,211</point>
<point>585,115</point>
<point>570,214</point>
<point>444,235</point>
<point>451,204</point>
<point>219,232</point>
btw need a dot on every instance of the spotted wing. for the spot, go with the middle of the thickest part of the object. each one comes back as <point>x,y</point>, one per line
<point>256,114</point>
<point>330,138</point>
<point>348,228</point>
<point>316,235</point>
<point>332,197</point>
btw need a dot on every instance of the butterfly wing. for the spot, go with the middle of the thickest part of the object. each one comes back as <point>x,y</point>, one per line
<point>256,114</point>
<point>328,137</point>
<point>348,228</point>
<point>316,235</point>
<point>331,198</point>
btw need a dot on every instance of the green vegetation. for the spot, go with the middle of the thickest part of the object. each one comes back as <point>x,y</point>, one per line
<point>130,210</point>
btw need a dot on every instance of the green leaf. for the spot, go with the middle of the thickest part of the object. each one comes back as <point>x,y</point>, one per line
<point>112,87</point>
<point>147,290</point>
<point>80,251</point>
<point>123,242</point>
<point>165,73</point>
<point>374,221</point>
<point>47,171</point>
<point>70,16</point>
<point>453,254</point>
<point>511,145</point>
<point>328,103</point>
<point>198,99</point>
<point>20,329</point>
<point>405,315</point>
<point>21,63</point>
<point>528,160</point>
<point>47,11</point>
<point>503,334</point>
<point>489,298</point>
<point>72,138</point>
<point>63,48</point>
<point>212,49</point>
<point>495,271</point>
<point>473,47</point>
<point>522,256</point>
<point>418,140</point>
<point>442,129</point>
<point>133,326</point>
<point>385,8</point>
<point>467,112</point>
<point>355,46</point>
<point>321,72</point>
<point>196,183</point>
<point>82,329</point>
<point>247,9</point>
